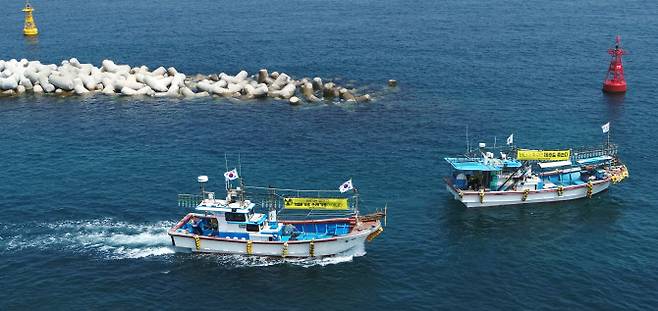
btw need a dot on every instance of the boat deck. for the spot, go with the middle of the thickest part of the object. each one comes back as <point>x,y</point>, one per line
<point>565,180</point>
<point>303,231</point>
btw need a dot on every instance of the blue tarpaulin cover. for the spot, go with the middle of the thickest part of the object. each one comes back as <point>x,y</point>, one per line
<point>463,164</point>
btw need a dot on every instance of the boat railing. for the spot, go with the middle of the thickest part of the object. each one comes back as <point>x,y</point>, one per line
<point>315,214</point>
<point>277,204</point>
<point>189,200</point>
<point>273,198</point>
<point>298,192</point>
<point>592,152</point>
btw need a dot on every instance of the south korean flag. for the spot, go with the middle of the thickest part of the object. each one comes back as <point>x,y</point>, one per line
<point>231,175</point>
<point>346,186</point>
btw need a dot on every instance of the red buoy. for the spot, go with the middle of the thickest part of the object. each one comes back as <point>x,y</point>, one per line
<point>614,80</point>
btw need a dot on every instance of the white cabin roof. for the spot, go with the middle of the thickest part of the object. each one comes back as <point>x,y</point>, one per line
<point>214,205</point>
<point>554,164</point>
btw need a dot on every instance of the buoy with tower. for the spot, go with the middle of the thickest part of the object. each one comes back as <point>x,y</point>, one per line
<point>614,80</point>
<point>29,28</point>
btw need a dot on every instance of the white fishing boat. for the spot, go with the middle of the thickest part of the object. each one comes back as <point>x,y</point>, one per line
<point>481,179</point>
<point>232,226</point>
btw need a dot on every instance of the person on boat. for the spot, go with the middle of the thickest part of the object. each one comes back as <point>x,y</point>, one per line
<point>196,225</point>
<point>213,224</point>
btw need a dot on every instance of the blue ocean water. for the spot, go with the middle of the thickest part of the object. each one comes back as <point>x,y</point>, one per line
<point>87,185</point>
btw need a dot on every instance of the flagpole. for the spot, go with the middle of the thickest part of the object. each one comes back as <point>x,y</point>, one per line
<point>468,147</point>
<point>226,181</point>
<point>356,201</point>
<point>242,190</point>
<point>607,143</point>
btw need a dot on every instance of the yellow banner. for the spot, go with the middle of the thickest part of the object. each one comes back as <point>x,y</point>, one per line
<point>543,155</point>
<point>316,203</point>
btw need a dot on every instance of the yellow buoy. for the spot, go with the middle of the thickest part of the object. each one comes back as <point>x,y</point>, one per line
<point>197,242</point>
<point>311,248</point>
<point>250,247</point>
<point>30,28</point>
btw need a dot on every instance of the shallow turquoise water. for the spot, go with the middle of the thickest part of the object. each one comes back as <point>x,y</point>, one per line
<point>88,184</point>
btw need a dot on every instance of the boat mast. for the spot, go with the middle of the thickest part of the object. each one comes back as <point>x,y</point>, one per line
<point>226,181</point>
<point>356,202</point>
<point>468,146</point>
<point>607,144</point>
<point>242,189</point>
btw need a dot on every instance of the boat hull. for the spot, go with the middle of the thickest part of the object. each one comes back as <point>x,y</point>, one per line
<point>498,198</point>
<point>354,242</point>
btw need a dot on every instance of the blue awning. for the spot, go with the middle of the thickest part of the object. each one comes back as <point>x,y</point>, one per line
<point>511,163</point>
<point>594,160</point>
<point>471,165</point>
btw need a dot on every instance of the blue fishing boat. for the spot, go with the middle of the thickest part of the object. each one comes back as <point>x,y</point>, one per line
<point>234,225</point>
<point>513,176</point>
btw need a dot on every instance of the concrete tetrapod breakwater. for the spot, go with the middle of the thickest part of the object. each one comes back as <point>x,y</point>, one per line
<point>72,77</point>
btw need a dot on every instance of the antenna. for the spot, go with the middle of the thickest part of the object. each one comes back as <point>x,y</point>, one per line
<point>608,142</point>
<point>240,164</point>
<point>226,181</point>
<point>356,200</point>
<point>203,179</point>
<point>468,147</point>
<point>242,190</point>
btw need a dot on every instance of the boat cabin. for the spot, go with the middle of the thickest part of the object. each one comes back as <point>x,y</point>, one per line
<point>486,173</point>
<point>235,218</point>
<point>501,174</point>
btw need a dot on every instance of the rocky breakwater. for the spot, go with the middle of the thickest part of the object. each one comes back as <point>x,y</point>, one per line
<point>74,78</point>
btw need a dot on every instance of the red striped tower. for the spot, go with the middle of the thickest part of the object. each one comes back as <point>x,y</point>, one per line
<point>614,80</point>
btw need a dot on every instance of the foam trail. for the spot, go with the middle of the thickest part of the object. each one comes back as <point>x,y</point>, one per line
<point>240,261</point>
<point>114,240</point>
<point>105,238</point>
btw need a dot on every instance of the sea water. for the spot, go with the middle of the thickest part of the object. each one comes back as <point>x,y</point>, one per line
<point>88,184</point>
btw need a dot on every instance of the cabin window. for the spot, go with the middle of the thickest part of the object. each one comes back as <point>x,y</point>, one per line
<point>253,228</point>
<point>235,217</point>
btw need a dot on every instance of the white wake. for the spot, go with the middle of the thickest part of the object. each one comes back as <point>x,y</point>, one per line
<point>105,238</point>
<point>112,240</point>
